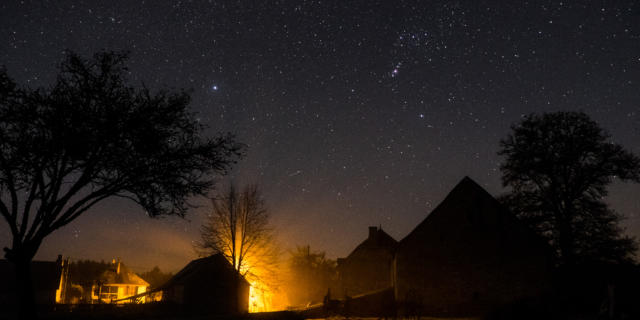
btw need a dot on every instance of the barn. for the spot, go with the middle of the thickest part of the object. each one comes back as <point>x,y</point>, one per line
<point>469,256</point>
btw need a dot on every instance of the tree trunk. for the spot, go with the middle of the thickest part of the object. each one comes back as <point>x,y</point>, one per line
<point>26,293</point>
<point>21,258</point>
<point>564,216</point>
<point>567,245</point>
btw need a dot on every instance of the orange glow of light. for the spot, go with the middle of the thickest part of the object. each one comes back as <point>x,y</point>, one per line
<point>259,300</point>
<point>260,295</point>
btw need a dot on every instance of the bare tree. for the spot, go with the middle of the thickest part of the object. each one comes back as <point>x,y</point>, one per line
<point>89,137</point>
<point>238,228</point>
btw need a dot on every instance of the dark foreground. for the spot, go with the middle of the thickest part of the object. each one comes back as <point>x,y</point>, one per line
<point>143,312</point>
<point>161,312</point>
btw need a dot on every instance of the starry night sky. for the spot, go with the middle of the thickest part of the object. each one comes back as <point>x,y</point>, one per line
<point>356,113</point>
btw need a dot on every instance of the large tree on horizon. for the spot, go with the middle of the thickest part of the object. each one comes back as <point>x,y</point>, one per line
<point>92,136</point>
<point>558,167</point>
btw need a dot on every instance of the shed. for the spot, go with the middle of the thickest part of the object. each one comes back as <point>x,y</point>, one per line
<point>210,285</point>
<point>46,277</point>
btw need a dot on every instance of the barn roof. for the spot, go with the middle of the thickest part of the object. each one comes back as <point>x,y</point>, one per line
<point>124,276</point>
<point>469,211</point>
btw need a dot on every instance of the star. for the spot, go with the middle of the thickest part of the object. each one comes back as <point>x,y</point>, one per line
<point>396,70</point>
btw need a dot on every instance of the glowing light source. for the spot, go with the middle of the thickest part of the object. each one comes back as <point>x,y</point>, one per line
<point>260,295</point>
<point>258,299</point>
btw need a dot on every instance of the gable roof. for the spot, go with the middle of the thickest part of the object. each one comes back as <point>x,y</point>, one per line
<point>215,264</point>
<point>379,239</point>
<point>469,211</point>
<point>125,276</point>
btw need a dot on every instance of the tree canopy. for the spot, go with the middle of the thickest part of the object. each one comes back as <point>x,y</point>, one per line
<point>156,277</point>
<point>309,276</point>
<point>558,166</point>
<point>91,136</point>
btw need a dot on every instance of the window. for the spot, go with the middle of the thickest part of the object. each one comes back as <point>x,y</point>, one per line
<point>109,293</point>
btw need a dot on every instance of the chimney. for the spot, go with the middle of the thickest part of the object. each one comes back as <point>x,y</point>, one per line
<point>372,232</point>
<point>118,267</point>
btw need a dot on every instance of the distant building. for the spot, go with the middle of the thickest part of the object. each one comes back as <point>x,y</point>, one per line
<point>469,256</point>
<point>47,280</point>
<point>368,266</point>
<point>116,283</point>
<point>209,285</point>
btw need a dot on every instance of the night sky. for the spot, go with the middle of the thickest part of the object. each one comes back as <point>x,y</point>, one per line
<point>355,113</point>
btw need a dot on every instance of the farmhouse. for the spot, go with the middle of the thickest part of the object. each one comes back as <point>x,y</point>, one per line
<point>116,283</point>
<point>368,267</point>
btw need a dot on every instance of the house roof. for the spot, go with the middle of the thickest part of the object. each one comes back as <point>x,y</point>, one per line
<point>376,241</point>
<point>124,277</point>
<point>214,264</point>
<point>45,275</point>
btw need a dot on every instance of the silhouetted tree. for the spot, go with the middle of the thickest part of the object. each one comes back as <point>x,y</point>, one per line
<point>85,272</point>
<point>558,166</point>
<point>89,137</point>
<point>310,275</point>
<point>238,228</point>
<point>156,277</point>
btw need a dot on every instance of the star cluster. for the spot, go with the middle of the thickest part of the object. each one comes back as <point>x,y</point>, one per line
<point>356,113</point>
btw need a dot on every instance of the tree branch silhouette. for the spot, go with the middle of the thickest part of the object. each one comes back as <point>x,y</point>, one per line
<point>92,136</point>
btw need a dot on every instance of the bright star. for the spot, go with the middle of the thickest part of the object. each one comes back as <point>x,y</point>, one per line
<point>396,70</point>
<point>214,88</point>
